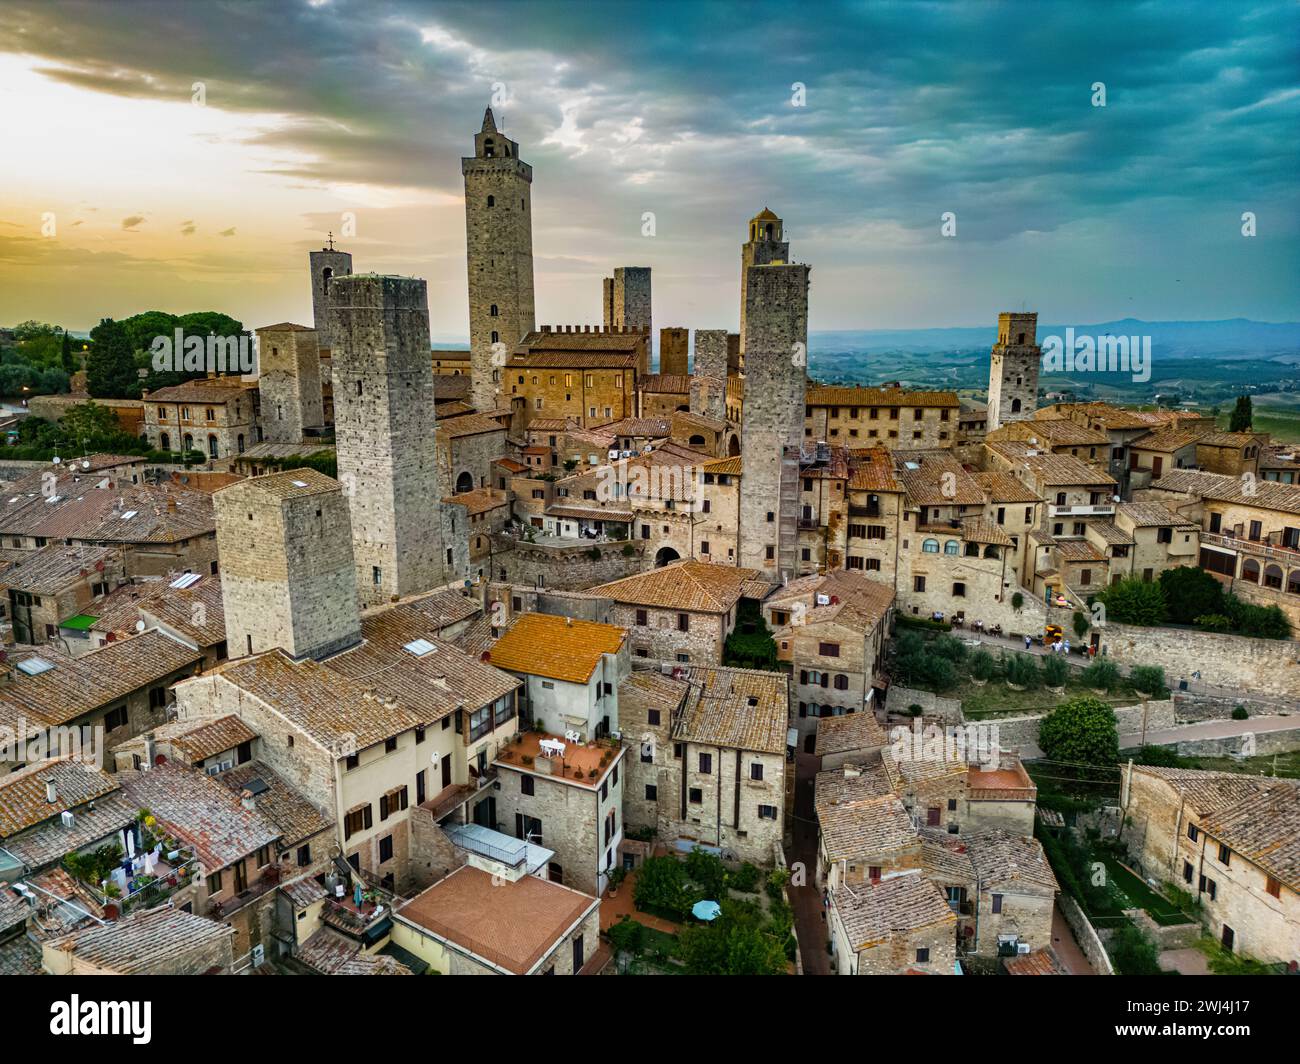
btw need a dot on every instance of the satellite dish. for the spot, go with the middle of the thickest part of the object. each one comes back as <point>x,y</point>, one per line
<point>85,463</point>
<point>56,459</point>
<point>139,626</point>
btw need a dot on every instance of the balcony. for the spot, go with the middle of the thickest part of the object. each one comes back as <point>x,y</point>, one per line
<point>863,511</point>
<point>808,524</point>
<point>1269,547</point>
<point>1100,510</point>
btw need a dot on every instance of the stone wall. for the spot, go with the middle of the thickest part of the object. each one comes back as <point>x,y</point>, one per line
<point>567,567</point>
<point>947,709</point>
<point>1251,744</point>
<point>1264,666</point>
<point>1085,935</point>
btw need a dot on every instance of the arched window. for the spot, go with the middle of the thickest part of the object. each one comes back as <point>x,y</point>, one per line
<point>697,441</point>
<point>1015,406</point>
<point>1250,570</point>
<point>1273,576</point>
<point>325,275</point>
<point>930,546</point>
<point>493,310</point>
<point>952,547</point>
<point>492,201</point>
<point>212,446</point>
<point>165,442</point>
<point>972,550</point>
<point>239,442</point>
<point>1293,582</point>
<point>990,551</point>
<point>489,151</point>
<point>189,442</point>
<point>496,337</point>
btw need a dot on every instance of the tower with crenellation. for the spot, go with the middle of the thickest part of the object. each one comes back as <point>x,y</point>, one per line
<point>1013,369</point>
<point>499,254</point>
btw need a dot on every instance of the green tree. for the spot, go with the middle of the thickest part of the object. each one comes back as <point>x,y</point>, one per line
<point>1149,679</point>
<point>1190,592</point>
<point>1080,731</point>
<point>1080,623</point>
<point>110,369</point>
<point>1133,953</point>
<point>661,886</point>
<point>1054,670</point>
<point>1135,601</point>
<point>708,871</point>
<point>1243,415</point>
<point>69,360</point>
<point>1102,674</point>
<point>735,943</point>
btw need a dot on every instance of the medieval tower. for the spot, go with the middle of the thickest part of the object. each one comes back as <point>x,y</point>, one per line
<point>674,350</point>
<point>765,245</point>
<point>384,430</point>
<point>1013,370</point>
<point>287,575</point>
<point>775,344</point>
<point>499,252</point>
<point>288,382</point>
<point>326,264</point>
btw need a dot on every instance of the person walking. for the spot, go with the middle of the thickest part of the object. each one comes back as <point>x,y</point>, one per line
<point>1027,642</point>
<point>1067,648</point>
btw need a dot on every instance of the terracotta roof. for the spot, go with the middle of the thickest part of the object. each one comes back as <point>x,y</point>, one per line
<point>742,709</point>
<point>559,648</point>
<point>468,425</point>
<point>855,600</point>
<point>1166,440</point>
<point>51,841</point>
<point>1003,487</point>
<point>640,426</point>
<point>196,613</point>
<point>936,478</point>
<point>1152,514</point>
<point>671,383</point>
<point>1036,962</point>
<point>23,802</point>
<point>1205,791</point>
<point>444,608</point>
<point>1109,533</point>
<point>514,925</point>
<point>849,733</point>
<point>91,507</point>
<point>1264,828</point>
<point>1055,431</point>
<point>1051,469</point>
<point>284,326</point>
<point>860,816</point>
<point>293,815</point>
<point>78,685</point>
<point>429,685</point>
<point>829,395</point>
<point>872,469</point>
<point>196,740</point>
<point>1230,439</point>
<point>685,585</point>
<point>134,944</point>
<point>336,712</point>
<point>1001,857</point>
<point>480,500</point>
<point>53,569</point>
<point>199,392</point>
<point>1263,494</point>
<point>730,466</point>
<point>873,913</point>
<point>201,812</point>
<point>1078,550</point>
<point>289,484</point>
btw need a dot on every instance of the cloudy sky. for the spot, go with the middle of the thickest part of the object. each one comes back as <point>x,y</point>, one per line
<point>120,193</point>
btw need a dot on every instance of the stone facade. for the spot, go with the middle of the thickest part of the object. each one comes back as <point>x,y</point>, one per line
<point>627,305</point>
<point>499,249</point>
<point>287,569</point>
<point>1013,370</point>
<point>327,265</point>
<point>289,382</point>
<point>674,350</point>
<point>386,434</point>
<point>776,324</point>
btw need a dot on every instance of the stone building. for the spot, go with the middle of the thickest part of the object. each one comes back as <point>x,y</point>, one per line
<point>674,350</point>
<point>288,383</point>
<point>765,245</point>
<point>160,941</point>
<point>217,416</point>
<point>717,524</point>
<point>627,305</point>
<point>385,429</point>
<point>327,265</point>
<point>775,352</point>
<point>289,578</point>
<point>59,584</point>
<point>891,417</point>
<point>892,926</point>
<point>1230,841</point>
<point>1013,370</point>
<point>709,765</point>
<point>499,252</point>
<point>587,375</point>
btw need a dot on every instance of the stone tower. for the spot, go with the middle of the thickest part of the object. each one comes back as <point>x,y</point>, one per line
<point>287,574</point>
<point>326,264</point>
<point>674,350</point>
<point>765,245</point>
<point>626,299</point>
<point>499,254</point>
<point>385,434</point>
<point>709,374</point>
<point>1013,370</point>
<point>289,382</point>
<point>775,343</point>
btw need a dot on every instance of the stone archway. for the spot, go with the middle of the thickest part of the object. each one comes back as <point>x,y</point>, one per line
<point>464,482</point>
<point>665,555</point>
<point>733,446</point>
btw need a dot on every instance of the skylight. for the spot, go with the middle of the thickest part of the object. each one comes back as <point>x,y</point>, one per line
<point>34,666</point>
<point>419,647</point>
<point>129,514</point>
<point>186,580</point>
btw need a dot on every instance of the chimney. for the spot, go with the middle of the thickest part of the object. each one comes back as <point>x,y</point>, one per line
<point>150,750</point>
<point>247,800</point>
<point>851,772</point>
<point>51,790</point>
<point>171,505</point>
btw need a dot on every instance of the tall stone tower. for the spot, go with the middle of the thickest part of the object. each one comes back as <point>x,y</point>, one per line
<point>775,343</point>
<point>326,264</point>
<point>1013,370</point>
<point>385,434</point>
<point>765,245</point>
<point>626,298</point>
<point>289,382</point>
<point>287,575</point>
<point>499,253</point>
<point>674,350</point>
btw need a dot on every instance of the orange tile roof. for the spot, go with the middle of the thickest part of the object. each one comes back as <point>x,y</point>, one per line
<point>684,585</point>
<point>559,648</point>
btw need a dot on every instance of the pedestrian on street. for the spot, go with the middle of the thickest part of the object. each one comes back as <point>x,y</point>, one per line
<point>1027,642</point>
<point>1067,647</point>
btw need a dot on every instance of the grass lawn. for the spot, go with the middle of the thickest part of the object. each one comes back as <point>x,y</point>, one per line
<point>997,699</point>
<point>1287,764</point>
<point>1141,896</point>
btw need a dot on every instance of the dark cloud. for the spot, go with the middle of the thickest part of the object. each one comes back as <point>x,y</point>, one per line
<point>133,222</point>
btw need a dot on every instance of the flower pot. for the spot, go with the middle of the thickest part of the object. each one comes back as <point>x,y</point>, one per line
<point>978,683</point>
<point>1015,686</point>
<point>1057,690</point>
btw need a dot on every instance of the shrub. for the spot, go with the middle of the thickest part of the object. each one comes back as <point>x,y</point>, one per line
<point>1055,671</point>
<point>1020,670</point>
<point>915,709</point>
<point>1150,679</point>
<point>1081,623</point>
<point>626,936</point>
<point>708,871</point>
<point>661,885</point>
<point>1159,756</point>
<point>745,878</point>
<point>1133,953</point>
<point>1017,600</point>
<point>982,666</point>
<point>948,647</point>
<point>776,881</point>
<point>1102,674</point>
<point>1239,713</point>
<point>1191,592</point>
<point>1135,601</point>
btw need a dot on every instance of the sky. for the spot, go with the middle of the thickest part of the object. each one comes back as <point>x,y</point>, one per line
<point>187,156</point>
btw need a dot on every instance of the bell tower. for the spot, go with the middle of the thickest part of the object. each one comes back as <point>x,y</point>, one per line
<point>766,245</point>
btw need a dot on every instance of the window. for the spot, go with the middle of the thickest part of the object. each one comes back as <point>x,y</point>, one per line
<point>651,792</point>
<point>706,764</point>
<point>828,650</point>
<point>696,796</point>
<point>385,849</point>
<point>1208,886</point>
<point>756,771</point>
<point>922,955</point>
<point>959,589</point>
<point>918,583</point>
<point>527,785</point>
<point>1187,872</point>
<point>652,716</point>
<point>683,622</point>
<point>930,546</point>
<point>353,760</point>
<point>359,819</point>
<point>1271,885</point>
<point>304,856</point>
<point>767,812</point>
<point>115,718</point>
<point>390,744</point>
<point>678,750</point>
<point>214,883</point>
<point>997,903</point>
<point>1192,833</point>
<point>642,618</point>
<point>1225,855</point>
